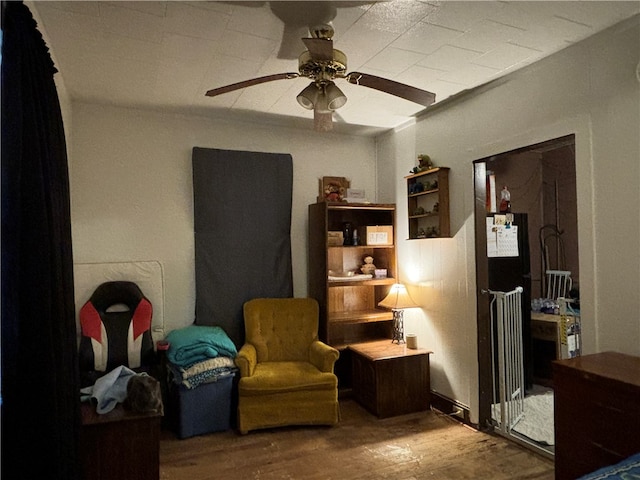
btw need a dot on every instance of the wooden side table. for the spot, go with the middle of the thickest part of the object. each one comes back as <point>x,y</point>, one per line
<point>120,444</point>
<point>390,379</point>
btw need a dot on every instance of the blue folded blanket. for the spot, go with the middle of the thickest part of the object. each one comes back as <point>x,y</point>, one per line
<point>195,343</point>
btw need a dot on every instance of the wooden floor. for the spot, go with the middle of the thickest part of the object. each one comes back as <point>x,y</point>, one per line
<point>416,446</point>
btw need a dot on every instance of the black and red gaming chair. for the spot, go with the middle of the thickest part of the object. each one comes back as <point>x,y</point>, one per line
<point>116,330</point>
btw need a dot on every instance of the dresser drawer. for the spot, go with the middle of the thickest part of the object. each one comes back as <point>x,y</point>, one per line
<point>614,415</point>
<point>616,426</point>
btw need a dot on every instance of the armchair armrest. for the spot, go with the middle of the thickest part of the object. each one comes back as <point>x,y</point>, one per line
<point>323,356</point>
<point>246,360</point>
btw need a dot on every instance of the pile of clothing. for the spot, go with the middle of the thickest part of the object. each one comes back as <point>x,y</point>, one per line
<point>199,355</point>
<point>139,392</point>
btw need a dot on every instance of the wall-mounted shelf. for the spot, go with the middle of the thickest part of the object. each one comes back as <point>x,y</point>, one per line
<point>428,204</point>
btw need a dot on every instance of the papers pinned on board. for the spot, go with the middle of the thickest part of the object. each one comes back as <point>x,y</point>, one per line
<point>502,238</point>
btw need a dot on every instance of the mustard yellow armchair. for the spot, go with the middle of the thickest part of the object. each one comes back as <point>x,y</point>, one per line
<point>286,373</point>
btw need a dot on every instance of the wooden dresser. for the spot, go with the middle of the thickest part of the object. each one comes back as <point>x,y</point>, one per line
<point>597,412</point>
<point>390,379</point>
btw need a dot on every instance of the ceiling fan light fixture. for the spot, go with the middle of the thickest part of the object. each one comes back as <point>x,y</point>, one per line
<point>322,64</point>
<point>308,97</point>
<point>335,97</point>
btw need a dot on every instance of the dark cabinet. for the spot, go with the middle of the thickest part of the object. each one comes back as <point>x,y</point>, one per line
<point>120,444</point>
<point>597,412</point>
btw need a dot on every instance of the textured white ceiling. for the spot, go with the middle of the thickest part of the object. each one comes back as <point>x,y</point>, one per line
<point>166,55</point>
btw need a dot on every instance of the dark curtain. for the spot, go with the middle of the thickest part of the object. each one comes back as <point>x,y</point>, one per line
<point>40,403</point>
<point>242,220</point>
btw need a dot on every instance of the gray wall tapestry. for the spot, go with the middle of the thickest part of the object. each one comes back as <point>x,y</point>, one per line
<point>242,221</point>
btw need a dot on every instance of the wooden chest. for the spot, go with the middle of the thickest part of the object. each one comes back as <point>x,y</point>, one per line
<point>390,379</point>
<point>119,445</point>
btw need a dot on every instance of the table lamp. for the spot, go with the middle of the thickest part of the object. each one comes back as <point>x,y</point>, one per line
<point>397,300</point>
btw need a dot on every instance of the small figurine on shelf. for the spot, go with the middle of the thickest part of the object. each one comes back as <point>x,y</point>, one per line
<point>419,211</point>
<point>424,163</point>
<point>436,207</point>
<point>421,233</point>
<point>505,200</point>
<point>347,233</point>
<point>416,188</point>
<point>368,268</point>
<point>432,232</point>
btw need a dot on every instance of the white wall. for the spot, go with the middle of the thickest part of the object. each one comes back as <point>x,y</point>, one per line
<point>590,89</point>
<point>132,196</point>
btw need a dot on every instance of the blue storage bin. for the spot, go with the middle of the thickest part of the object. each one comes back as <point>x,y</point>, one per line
<point>204,409</point>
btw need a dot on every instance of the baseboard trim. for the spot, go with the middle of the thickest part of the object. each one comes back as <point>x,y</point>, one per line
<point>452,408</point>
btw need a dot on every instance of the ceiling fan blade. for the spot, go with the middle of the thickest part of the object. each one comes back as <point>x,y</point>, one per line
<point>319,48</point>
<point>322,121</point>
<point>392,87</point>
<point>249,83</point>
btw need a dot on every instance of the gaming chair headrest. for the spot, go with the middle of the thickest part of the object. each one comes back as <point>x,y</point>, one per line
<point>113,293</point>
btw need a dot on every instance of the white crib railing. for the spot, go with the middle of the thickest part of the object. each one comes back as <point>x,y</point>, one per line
<point>507,348</point>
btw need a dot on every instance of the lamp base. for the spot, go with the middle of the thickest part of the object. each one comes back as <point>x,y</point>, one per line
<point>398,327</point>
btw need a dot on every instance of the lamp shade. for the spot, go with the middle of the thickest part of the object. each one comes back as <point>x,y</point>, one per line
<point>323,98</point>
<point>308,97</point>
<point>335,97</point>
<point>398,298</point>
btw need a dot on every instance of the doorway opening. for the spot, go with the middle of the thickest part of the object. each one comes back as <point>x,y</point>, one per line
<point>541,181</point>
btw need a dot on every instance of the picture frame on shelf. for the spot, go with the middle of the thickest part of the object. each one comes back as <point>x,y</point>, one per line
<point>333,189</point>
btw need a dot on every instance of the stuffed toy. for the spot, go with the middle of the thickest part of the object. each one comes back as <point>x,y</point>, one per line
<point>334,192</point>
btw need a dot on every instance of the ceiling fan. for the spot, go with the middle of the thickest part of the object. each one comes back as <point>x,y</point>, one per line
<point>323,64</point>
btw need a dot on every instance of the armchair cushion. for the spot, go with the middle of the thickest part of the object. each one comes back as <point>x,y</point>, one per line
<point>278,377</point>
<point>281,329</point>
